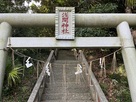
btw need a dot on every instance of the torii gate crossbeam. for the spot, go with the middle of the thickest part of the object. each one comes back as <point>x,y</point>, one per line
<point>79,42</point>
<point>81,20</point>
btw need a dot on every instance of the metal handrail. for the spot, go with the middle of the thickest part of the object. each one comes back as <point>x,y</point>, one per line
<point>97,94</point>
<point>40,84</point>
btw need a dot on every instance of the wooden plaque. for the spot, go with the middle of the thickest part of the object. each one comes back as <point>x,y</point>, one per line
<point>65,23</point>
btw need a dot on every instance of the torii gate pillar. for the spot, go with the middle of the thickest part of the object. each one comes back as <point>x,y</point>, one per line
<point>129,56</point>
<point>5,31</point>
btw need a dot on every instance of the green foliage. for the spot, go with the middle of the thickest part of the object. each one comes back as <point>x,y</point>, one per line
<point>130,3</point>
<point>21,92</point>
<point>34,32</point>
<point>14,76</point>
<point>94,32</point>
<point>104,8</point>
<point>125,95</point>
<point>121,70</point>
<point>4,8</point>
<point>8,6</point>
<point>122,92</point>
<point>97,32</point>
<point>42,9</point>
<point>61,2</point>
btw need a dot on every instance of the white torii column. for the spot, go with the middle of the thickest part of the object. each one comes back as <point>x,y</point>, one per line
<point>5,31</point>
<point>129,56</point>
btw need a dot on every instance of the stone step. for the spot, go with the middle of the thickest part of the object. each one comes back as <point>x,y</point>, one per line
<point>67,68</point>
<point>66,65</point>
<point>78,96</point>
<point>68,78</point>
<point>67,101</point>
<point>68,84</point>
<point>65,55</point>
<point>66,61</point>
<point>67,89</point>
<point>54,90</point>
<point>66,96</point>
<point>78,90</point>
<point>58,75</point>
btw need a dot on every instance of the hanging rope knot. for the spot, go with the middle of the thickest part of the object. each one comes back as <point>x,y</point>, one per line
<point>114,63</point>
<point>4,49</point>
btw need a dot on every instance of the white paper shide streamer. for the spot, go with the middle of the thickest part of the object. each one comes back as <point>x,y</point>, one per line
<point>79,69</point>
<point>47,69</point>
<point>28,64</point>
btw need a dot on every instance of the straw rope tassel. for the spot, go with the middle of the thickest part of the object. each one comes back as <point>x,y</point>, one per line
<point>114,63</point>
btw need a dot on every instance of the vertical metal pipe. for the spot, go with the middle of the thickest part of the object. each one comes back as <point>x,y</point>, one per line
<point>5,31</point>
<point>129,56</point>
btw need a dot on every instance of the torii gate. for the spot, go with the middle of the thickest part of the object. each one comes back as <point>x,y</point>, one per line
<point>121,21</point>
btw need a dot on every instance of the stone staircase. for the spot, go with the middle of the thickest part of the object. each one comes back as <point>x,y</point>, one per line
<point>64,85</point>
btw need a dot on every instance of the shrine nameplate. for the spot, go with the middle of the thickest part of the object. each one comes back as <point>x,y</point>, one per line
<point>65,23</point>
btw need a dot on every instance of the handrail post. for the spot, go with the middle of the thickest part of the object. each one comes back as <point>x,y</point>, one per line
<point>5,31</point>
<point>129,56</point>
